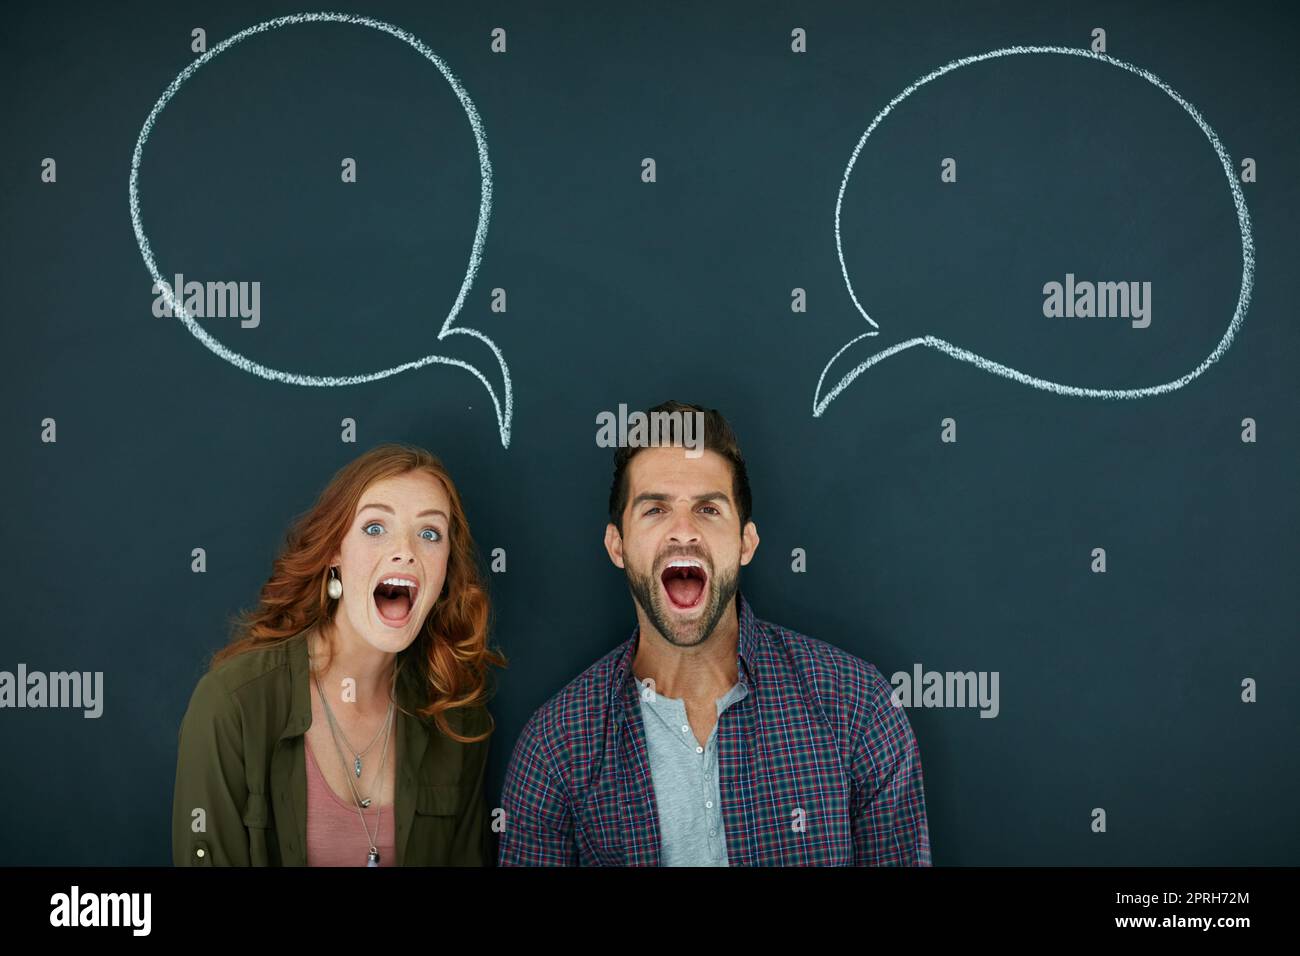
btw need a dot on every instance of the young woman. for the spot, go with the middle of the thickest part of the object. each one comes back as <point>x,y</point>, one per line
<point>346,724</point>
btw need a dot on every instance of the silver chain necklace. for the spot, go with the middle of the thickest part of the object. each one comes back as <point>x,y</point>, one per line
<point>356,754</point>
<point>372,858</point>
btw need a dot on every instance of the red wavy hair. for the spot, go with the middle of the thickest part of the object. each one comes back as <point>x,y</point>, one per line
<point>451,653</point>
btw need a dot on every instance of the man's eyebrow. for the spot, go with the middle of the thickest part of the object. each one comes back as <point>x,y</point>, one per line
<point>427,511</point>
<point>661,496</point>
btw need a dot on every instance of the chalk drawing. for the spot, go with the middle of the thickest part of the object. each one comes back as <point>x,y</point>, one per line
<point>820,401</point>
<point>504,409</point>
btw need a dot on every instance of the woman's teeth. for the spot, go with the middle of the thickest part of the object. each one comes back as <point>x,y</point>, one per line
<point>395,598</point>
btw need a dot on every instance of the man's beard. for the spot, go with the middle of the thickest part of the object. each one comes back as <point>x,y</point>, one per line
<point>648,593</point>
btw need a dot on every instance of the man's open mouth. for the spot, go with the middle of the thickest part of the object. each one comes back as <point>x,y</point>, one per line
<point>395,598</point>
<point>684,581</point>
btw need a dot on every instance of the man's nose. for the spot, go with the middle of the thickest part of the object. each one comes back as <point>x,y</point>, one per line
<point>684,530</point>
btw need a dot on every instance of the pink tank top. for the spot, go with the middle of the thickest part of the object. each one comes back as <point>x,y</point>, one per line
<point>335,836</point>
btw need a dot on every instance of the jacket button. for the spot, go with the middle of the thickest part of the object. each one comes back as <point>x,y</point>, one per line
<point>199,853</point>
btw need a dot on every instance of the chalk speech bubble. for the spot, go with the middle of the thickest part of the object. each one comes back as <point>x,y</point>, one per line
<point>504,411</point>
<point>822,401</point>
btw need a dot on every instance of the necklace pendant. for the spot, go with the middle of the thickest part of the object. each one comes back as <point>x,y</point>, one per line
<point>356,766</point>
<point>365,804</point>
<point>373,858</point>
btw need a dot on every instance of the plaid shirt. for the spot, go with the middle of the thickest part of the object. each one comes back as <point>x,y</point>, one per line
<point>817,765</point>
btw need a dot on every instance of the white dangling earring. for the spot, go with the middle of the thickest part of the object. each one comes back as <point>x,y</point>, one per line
<point>335,587</point>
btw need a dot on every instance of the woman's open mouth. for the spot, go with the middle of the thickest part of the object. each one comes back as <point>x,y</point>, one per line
<point>684,581</point>
<point>395,599</point>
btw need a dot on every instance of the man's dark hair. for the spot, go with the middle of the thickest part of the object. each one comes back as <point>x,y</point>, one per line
<point>718,437</point>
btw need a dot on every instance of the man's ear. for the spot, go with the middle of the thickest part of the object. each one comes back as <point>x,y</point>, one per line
<point>748,542</point>
<point>614,544</point>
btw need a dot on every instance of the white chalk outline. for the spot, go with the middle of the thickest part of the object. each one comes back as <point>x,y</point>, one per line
<point>485,209</point>
<point>1243,219</point>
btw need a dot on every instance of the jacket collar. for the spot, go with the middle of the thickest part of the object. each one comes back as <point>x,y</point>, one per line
<point>299,688</point>
<point>746,651</point>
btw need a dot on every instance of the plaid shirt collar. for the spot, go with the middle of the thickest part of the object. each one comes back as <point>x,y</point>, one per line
<point>746,650</point>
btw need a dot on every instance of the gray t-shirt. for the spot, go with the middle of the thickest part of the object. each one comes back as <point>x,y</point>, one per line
<point>685,778</point>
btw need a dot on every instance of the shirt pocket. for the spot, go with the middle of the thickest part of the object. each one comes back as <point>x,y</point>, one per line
<point>435,824</point>
<point>258,823</point>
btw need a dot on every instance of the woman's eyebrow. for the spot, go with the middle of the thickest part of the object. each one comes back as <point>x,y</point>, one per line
<point>427,511</point>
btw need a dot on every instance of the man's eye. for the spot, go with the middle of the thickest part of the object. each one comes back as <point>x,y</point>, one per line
<point>373,524</point>
<point>711,508</point>
<point>431,534</point>
<point>653,509</point>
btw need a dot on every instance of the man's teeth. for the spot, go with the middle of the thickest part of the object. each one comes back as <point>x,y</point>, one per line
<point>685,563</point>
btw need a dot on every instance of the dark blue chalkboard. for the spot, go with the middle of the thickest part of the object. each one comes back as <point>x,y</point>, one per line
<point>1120,690</point>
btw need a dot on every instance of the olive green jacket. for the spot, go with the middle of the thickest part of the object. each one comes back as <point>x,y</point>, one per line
<point>241,762</point>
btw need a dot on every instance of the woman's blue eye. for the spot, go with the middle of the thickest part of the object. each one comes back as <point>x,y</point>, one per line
<point>375,528</point>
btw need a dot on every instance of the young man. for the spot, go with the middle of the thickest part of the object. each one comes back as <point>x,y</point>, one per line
<point>710,737</point>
